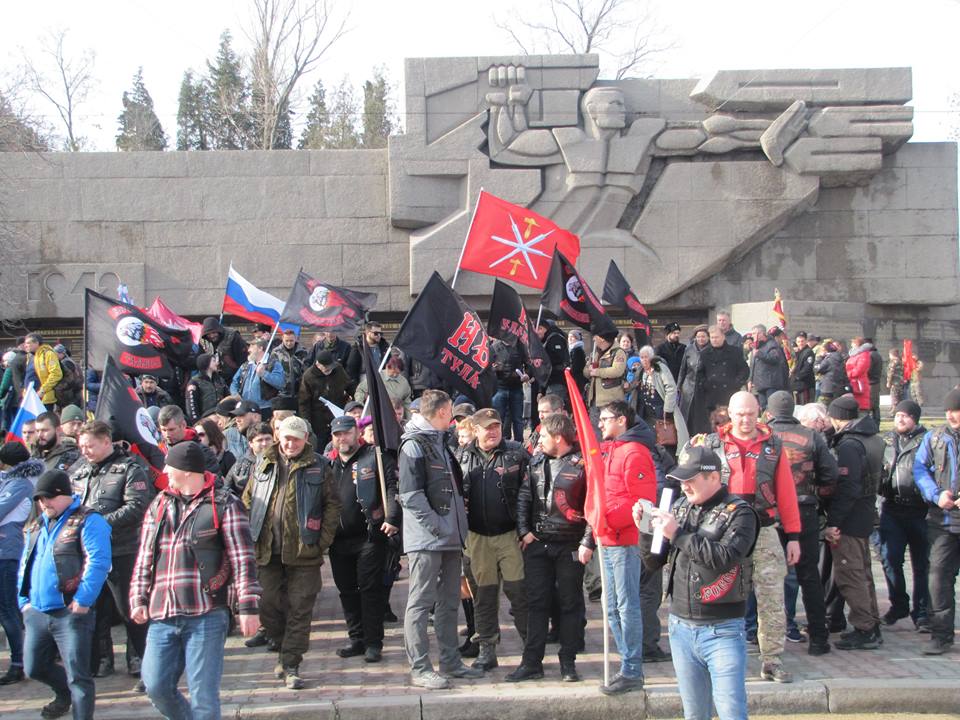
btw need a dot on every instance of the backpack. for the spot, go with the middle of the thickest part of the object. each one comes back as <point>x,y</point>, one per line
<point>68,389</point>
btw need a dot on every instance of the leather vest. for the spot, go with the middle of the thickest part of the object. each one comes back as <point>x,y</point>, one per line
<point>558,505</point>
<point>700,586</point>
<point>606,361</point>
<point>508,461</point>
<point>103,491</point>
<point>308,487</point>
<point>798,444</point>
<point>69,558</point>
<point>898,485</point>
<point>367,482</point>
<point>443,472</point>
<point>766,472</point>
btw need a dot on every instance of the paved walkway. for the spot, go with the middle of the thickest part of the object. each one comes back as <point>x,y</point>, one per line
<point>898,677</point>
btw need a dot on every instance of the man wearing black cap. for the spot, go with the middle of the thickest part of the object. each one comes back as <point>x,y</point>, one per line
<point>66,557</point>
<point>205,390</point>
<point>903,518</point>
<point>937,475</point>
<point>367,525</point>
<point>812,466</point>
<point>226,344</point>
<point>671,349</point>
<point>150,394</point>
<point>851,517</point>
<point>194,546</point>
<point>326,380</point>
<point>110,482</point>
<point>709,535</point>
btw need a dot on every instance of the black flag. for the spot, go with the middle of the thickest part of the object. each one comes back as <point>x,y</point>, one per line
<point>567,295</point>
<point>386,429</point>
<point>326,307</point>
<point>510,322</point>
<point>119,406</point>
<point>138,343</point>
<point>617,292</point>
<point>446,335</point>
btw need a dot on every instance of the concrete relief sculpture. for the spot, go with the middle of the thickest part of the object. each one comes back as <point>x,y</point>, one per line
<point>673,179</point>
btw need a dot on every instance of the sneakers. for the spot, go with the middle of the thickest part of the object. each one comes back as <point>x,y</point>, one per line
<point>524,672</point>
<point>794,635</point>
<point>568,672</point>
<point>278,671</point>
<point>258,640</point>
<point>293,680</point>
<point>860,640</point>
<point>430,680</point>
<point>922,625</point>
<point>133,667</point>
<point>59,707</point>
<point>818,647</point>
<point>774,672</point>
<point>937,646</point>
<point>656,656</point>
<point>890,617</point>
<point>595,594</point>
<point>373,655</point>
<point>620,685</point>
<point>13,675</point>
<point>354,649</point>
<point>105,669</point>
<point>463,672</point>
<point>487,658</point>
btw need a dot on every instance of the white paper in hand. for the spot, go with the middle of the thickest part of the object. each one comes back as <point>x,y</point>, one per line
<point>666,500</point>
<point>336,410</point>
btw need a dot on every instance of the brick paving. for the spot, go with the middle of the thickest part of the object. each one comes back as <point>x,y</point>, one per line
<point>248,677</point>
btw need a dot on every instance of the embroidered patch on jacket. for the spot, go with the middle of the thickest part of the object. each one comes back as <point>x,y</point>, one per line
<point>719,587</point>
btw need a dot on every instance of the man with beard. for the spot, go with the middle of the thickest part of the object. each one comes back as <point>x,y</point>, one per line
<point>326,380</point>
<point>721,373</point>
<point>293,359</point>
<point>373,338</point>
<point>56,451</point>
<point>150,394</point>
<point>671,349</point>
<point>359,551</point>
<point>110,482</point>
<point>340,349</point>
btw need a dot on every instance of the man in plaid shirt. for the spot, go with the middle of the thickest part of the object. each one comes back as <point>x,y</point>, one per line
<point>195,542</point>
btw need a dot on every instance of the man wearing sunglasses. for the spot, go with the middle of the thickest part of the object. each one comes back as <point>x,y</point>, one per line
<point>373,337</point>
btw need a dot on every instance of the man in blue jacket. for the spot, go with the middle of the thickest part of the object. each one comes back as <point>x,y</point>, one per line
<point>936,474</point>
<point>65,562</point>
<point>258,382</point>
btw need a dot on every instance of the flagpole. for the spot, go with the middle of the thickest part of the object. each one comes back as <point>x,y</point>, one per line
<point>225,294</point>
<point>539,315</point>
<point>463,249</point>
<point>85,394</point>
<point>276,327</point>
<point>603,611</point>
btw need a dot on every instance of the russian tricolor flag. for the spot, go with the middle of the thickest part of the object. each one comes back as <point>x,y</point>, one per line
<point>30,409</point>
<point>246,300</point>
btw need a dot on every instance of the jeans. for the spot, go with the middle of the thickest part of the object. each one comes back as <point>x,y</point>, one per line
<point>115,596</point>
<point>791,589</point>
<point>194,644</point>
<point>508,402</point>
<point>434,583</point>
<point>711,664</point>
<point>10,619</point>
<point>900,530</point>
<point>621,564</point>
<point>72,635</point>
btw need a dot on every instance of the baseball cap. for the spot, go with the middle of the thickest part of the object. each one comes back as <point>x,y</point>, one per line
<point>294,426</point>
<point>353,405</point>
<point>463,410</point>
<point>343,423</point>
<point>52,483</point>
<point>226,407</point>
<point>245,406</point>
<point>486,417</point>
<point>694,461</point>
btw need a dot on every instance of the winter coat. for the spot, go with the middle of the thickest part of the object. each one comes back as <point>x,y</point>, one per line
<point>673,354</point>
<point>722,372</point>
<point>857,367</point>
<point>256,388</point>
<point>833,375</point>
<point>231,349</point>
<point>315,385</point>
<point>339,348</point>
<point>159,398</point>
<point>687,379</point>
<point>801,375</point>
<point>629,475</point>
<point>294,364</point>
<point>667,390</point>
<point>202,396</point>
<point>768,369</point>
<point>555,344</point>
<point>46,364</point>
<point>16,493</point>
<point>398,388</point>
<point>61,456</point>
<point>354,366</point>
<point>607,387</point>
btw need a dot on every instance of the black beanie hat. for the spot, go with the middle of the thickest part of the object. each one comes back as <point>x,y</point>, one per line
<point>203,361</point>
<point>14,453</point>
<point>844,408</point>
<point>780,404</point>
<point>52,483</point>
<point>910,408</point>
<point>952,401</point>
<point>187,456</point>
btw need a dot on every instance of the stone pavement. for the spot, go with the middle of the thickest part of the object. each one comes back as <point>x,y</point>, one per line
<point>898,677</point>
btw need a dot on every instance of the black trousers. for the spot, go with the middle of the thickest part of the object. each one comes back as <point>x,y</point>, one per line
<point>808,572</point>
<point>359,569</point>
<point>114,599</point>
<point>651,594</point>
<point>550,568</point>
<point>944,565</point>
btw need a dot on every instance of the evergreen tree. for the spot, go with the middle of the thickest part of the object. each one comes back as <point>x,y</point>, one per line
<point>140,128</point>
<point>342,134</point>
<point>316,131</point>
<point>228,99</point>
<point>193,122</point>
<point>378,111</point>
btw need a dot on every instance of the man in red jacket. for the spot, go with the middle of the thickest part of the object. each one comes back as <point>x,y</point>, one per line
<point>629,476</point>
<point>756,468</point>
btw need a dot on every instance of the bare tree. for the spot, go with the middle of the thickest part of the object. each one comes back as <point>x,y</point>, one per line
<point>289,38</point>
<point>624,33</point>
<point>66,84</point>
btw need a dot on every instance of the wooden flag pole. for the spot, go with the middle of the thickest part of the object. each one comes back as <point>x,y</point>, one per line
<point>603,610</point>
<point>473,217</point>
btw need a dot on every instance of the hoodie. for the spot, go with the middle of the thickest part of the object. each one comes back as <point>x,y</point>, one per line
<point>16,491</point>
<point>629,475</point>
<point>852,510</point>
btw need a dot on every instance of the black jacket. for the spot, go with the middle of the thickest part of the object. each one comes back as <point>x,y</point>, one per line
<point>294,364</point>
<point>315,385</point>
<point>898,487</point>
<point>231,349</point>
<point>708,577</point>
<point>159,398</point>
<point>358,482</point>
<point>768,369</point>
<point>550,500</point>
<point>555,344</point>
<point>491,486</point>
<point>354,366</point>
<point>814,468</point>
<point>340,349</point>
<point>875,373</point>
<point>852,509</point>
<point>833,374</point>
<point>672,353</point>
<point>722,372</point>
<point>202,395</point>
<point>801,376</point>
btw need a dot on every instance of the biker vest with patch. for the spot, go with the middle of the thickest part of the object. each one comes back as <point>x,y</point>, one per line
<point>559,498</point>
<point>765,497</point>
<point>69,558</point>
<point>442,473</point>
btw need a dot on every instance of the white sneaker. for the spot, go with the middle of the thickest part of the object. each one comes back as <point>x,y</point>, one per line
<point>430,680</point>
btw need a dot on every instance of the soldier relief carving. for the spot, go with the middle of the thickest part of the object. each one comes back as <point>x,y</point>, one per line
<point>673,180</point>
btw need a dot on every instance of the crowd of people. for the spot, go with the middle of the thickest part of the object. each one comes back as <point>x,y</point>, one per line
<point>773,454</point>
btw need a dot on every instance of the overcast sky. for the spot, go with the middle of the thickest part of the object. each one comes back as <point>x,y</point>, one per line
<point>168,37</point>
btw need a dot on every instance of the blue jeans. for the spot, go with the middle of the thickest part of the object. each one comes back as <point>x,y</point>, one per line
<point>711,665</point>
<point>194,644</point>
<point>622,567</point>
<point>72,635</point>
<point>10,619</point>
<point>508,402</point>
<point>899,531</point>
<point>791,588</point>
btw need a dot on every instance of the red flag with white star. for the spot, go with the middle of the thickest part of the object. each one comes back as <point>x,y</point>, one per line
<point>514,243</point>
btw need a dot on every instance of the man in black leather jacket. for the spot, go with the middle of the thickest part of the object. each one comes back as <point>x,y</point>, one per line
<point>557,543</point>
